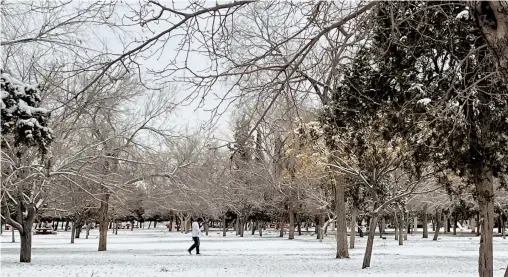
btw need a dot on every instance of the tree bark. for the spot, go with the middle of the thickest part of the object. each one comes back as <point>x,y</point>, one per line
<point>353,229</point>
<point>253,229</point>
<point>13,237</point>
<point>415,224</point>
<point>66,225</point>
<point>73,231</point>
<point>478,224</point>
<point>25,254</point>
<point>382,225</point>
<point>79,228</point>
<point>321,225</point>
<point>173,225</point>
<point>503,228</point>
<point>485,191</point>
<point>291,225</point>
<point>396,223</point>
<point>205,226</point>
<point>454,225</point>
<point>281,228</point>
<point>401,229</point>
<point>425,225</point>
<point>103,221</point>
<point>370,242</point>
<point>299,226</point>
<point>88,226</point>
<point>407,225</point>
<point>260,228</point>
<point>241,226</point>
<point>438,225</point>
<point>224,226</point>
<point>492,20</point>
<point>340,210</point>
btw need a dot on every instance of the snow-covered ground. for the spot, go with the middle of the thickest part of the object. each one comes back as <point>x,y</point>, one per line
<point>157,252</point>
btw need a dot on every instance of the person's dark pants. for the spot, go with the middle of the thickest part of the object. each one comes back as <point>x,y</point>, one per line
<point>195,245</point>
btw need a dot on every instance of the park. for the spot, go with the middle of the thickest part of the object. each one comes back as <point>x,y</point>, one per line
<point>280,138</point>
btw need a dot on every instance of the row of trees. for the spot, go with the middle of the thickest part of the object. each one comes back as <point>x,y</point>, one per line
<point>345,111</point>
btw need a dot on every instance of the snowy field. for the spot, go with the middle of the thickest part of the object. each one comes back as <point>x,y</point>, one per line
<point>156,252</point>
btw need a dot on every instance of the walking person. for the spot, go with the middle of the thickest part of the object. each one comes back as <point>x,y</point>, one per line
<point>195,236</point>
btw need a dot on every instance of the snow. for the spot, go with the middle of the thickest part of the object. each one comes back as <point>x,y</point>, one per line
<point>463,15</point>
<point>156,252</point>
<point>424,101</point>
<point>24,107</point>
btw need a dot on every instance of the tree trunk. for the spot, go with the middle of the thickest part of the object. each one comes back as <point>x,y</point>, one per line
<point>299,226</point>
<point>281,226</point>
<point>396,226</point>
<point>155,224</point>
<point>253,229</point>
<point>492,19</point>
<point>103,221</point>
<point>79,227</point>
<point>425,225</point>
<point>383,227</point>
<point>499,222</point>
<point>13,237</point>
<point>438,225</point>
<point>407,225</point>
<point>370,242</point>
<point>237,229</point>
<point>503,228</point>
<point>25,253</point>
<point>340,210</point>
<point>291,225</point>
<point>260,228</point>
<point>478,224</point>
<point>66,226</point>
<point>55,226</point>
<point>205,226</point>
<point>241,226</point>
<point>401,229</point>
<point>485,190</point>
<point>321,225</point>
<point>88,226</point>
<point>149,224</point>
<point>224,226</point>
<point>454,225</point>
<point>73,231</point>
<point>173,225</point>
<point>353,229</point>
<point>415,224</point>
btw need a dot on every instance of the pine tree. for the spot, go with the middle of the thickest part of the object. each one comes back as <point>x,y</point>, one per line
<point>426,78</point>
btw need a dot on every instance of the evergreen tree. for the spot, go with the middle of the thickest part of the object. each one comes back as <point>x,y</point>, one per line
<point>426,78</point>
